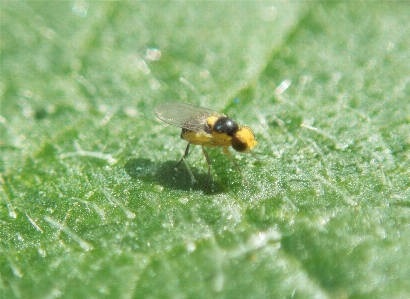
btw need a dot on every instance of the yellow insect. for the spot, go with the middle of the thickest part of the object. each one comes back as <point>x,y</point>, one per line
<point>206,127</point>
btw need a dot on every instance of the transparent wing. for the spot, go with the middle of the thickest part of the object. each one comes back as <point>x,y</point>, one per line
<point>185,116</point>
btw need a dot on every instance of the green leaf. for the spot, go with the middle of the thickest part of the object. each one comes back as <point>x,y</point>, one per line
<point>91,206</point>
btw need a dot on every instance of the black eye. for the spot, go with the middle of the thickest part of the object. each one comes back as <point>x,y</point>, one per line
<point>239,145</point>
<point>226,125</point>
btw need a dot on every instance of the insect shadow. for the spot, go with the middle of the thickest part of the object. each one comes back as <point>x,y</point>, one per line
<point>165,174</point>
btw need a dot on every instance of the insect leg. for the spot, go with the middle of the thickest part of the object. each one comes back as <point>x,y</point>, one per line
<point>185,155</point>
<point>183,159</point>
<point>209,165</point>
<point>226,152</point>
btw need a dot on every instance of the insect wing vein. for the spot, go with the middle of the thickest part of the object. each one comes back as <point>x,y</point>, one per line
<point>185,116</point>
